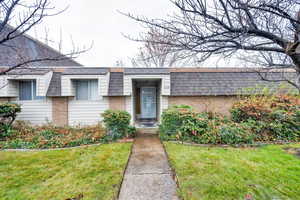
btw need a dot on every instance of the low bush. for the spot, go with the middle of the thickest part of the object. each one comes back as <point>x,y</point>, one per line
<point>254,119</point>
<point>117,123</point>
<point>184,124</point>
<point>271,118</point>
<point>8,114</point>
<point>26,136</point>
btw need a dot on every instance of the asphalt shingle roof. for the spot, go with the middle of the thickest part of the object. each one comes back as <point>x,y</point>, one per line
<point>25,48</point>
<point>116,84</point>
<point>54,89</point>
<point>85,71</point>
<point>29,71</point>
<point>219,83</point>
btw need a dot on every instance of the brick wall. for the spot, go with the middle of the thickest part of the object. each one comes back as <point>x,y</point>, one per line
<point>3,99</point>
<point>219,104</point>
<point>117,103</point>
<point>60,111</point>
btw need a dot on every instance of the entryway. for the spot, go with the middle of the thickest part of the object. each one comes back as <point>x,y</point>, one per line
<point>146,101</point>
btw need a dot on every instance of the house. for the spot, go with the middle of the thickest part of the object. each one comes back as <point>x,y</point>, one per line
<point>66,93</point>
<point>78,95</point>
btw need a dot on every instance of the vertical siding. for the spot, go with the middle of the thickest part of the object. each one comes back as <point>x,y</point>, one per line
<point>67,88</point>
<point>129,107</point>
<point>164,102</point>
<point>13,89</point>
<point>86,112</point>
<point>3,86</point>
<point>103,84</point>
<point>36,112</point>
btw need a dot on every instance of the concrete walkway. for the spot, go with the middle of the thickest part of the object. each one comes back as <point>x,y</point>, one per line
<point>148,175</point>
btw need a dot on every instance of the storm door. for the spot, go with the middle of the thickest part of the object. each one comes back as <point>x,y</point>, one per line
<point>148,102</point>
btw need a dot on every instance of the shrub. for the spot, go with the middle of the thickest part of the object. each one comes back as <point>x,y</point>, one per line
<point>271,118</point>
<point>117,123</point>
<point>263,119</point>
<point>235,134</point>
<point>51,136</point>
<point>8,114</point>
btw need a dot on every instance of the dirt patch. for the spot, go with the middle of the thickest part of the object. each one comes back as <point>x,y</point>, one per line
<point>294,151</point>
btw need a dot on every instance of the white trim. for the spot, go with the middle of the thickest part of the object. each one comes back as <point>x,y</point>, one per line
<point>165,82</point>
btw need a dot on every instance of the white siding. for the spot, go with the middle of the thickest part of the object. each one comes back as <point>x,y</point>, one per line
<point>166,83</point>
<point>86,112</point>
<point>129,107</point>
<point>9,84</point>
<point>36,112</point>
<point>164,103</point>
<point>68,86</point>
<point>3,86</point>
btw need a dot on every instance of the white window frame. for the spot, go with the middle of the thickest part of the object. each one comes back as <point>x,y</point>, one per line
<point>89,94</point>
<point>33,97</point>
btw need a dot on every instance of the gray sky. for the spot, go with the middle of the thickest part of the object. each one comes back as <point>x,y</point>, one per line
<point>100,23</point>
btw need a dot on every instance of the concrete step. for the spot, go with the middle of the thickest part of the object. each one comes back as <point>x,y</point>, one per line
<point>149,131</point>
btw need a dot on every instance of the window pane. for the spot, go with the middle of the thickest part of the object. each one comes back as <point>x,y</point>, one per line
<point>93,89</point>
<point>25,90</point>
<point>82,90</point>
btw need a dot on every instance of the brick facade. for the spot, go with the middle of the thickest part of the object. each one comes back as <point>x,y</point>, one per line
<point>60,111</point>
<point>3,99</point>
<point>117,103</point>
<point>219,104</point>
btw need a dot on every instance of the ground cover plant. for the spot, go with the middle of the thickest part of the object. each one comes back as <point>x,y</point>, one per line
<point>25,136</point>
<point>93,172</point>
<point>268,172</point>
<point>267,119</point>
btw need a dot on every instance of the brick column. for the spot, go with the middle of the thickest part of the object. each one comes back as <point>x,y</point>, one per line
<point>60,111</point>
<point>4,99</point>
<point>117,103</point>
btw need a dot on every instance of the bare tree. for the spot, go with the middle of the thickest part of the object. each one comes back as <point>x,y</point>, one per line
<point>154,54</point>
<point>263,32</point>
<point>24,15</point>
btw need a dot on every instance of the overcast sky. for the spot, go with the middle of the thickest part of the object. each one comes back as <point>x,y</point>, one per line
<point>100,23</point>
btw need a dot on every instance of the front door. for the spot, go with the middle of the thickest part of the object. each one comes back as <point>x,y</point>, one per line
<point>148,102</point>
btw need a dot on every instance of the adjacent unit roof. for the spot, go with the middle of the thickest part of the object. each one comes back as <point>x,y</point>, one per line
<point>25,48</point>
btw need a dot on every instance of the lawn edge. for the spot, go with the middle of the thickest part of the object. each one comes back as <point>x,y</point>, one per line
<point>124,171</point>
<point>255,145</point>
<point>65,148</point>
<point>173,171</point>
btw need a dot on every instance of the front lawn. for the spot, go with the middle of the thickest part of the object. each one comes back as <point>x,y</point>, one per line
<point>89,172</point>
<point>267,172</point>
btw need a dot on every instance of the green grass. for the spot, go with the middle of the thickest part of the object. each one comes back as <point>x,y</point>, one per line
<point>96,172</point>
<point>231,173</point>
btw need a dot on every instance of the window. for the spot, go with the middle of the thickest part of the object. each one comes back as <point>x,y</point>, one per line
<point>27,91</point>
<point>86,89</point>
